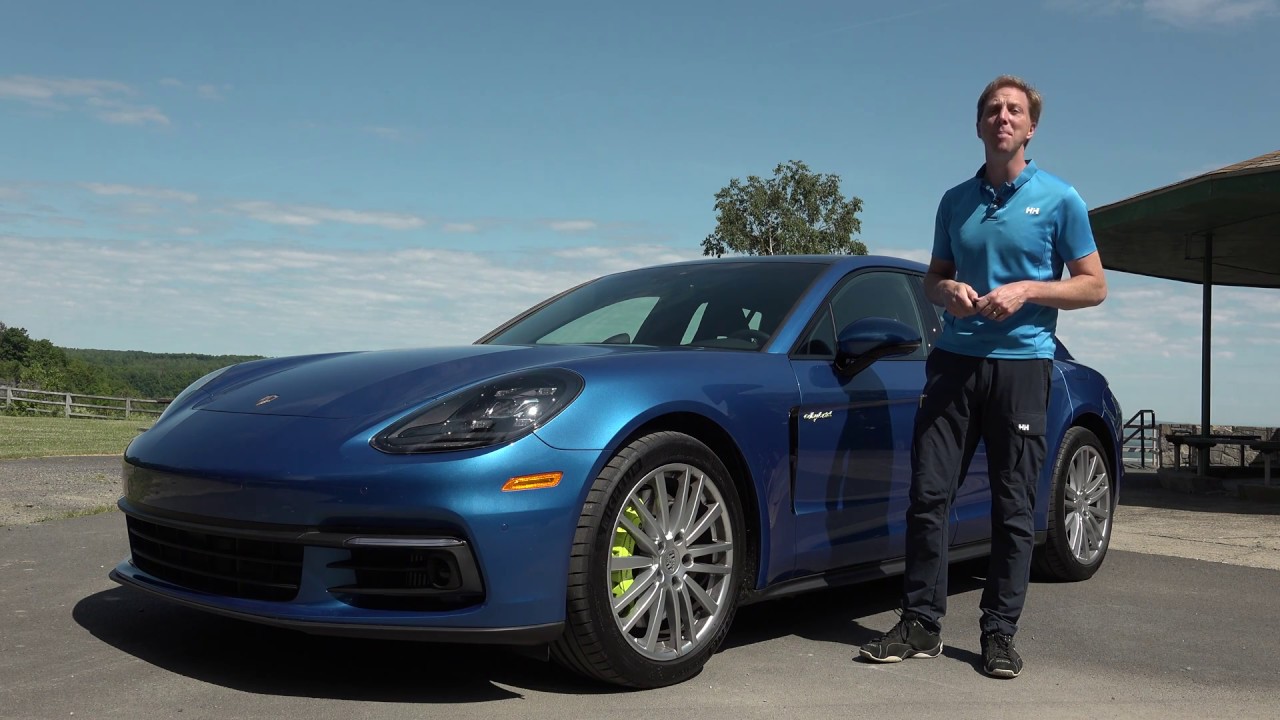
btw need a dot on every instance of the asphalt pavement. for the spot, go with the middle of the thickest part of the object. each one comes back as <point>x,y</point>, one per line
<point>1151,635</point>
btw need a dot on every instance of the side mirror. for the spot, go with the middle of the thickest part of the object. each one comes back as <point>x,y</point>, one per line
<point>865,341</point>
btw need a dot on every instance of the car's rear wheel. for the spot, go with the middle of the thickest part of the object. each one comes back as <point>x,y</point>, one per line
<point>656,565</point>
<point>1081,503</point>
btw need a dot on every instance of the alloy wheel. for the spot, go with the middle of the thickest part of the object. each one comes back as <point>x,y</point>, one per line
<point>672,560</point>
<point>1087,504</point>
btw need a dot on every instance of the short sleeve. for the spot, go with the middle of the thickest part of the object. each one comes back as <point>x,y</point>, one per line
<point>942,234</point>
<point>1075,235</point>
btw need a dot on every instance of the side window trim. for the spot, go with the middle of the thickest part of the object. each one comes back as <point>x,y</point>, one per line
<point>915,285</point>
<point>928,313</point>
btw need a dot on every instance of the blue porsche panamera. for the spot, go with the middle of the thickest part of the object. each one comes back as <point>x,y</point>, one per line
<point>608,476</point>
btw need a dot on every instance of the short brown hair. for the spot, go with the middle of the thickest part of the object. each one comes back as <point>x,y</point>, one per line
<point>1004,81</point>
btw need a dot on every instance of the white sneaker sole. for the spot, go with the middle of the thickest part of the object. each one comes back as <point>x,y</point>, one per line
<point>899,658</point>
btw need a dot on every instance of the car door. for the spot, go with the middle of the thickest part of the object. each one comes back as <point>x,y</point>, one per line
<point>852,435</point>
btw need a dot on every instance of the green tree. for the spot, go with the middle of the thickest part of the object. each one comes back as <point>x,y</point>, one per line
<point>796,212</point>
<point>14,344</point>
<point>45,367</point>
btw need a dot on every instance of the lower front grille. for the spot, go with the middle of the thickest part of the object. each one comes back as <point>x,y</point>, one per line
<point>411,578</point>
<point>216,564</point>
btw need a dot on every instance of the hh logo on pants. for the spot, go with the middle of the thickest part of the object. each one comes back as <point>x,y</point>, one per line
<point>1023,427</point>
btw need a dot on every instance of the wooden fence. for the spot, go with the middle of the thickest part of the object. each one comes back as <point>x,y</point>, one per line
<point>75,405</point>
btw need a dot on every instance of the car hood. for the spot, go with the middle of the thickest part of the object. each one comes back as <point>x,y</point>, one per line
<point>377,383</point>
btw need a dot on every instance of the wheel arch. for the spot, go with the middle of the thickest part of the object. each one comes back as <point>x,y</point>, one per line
<point>1098,426</point>
<point>714,436</point>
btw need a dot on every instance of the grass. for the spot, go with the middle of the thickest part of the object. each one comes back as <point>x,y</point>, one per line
<point>28,437</point>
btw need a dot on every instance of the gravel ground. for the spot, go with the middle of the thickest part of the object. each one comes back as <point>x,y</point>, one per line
<point>35,489</point>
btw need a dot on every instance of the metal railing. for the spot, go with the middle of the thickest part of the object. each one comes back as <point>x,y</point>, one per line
<point>1142,440</point>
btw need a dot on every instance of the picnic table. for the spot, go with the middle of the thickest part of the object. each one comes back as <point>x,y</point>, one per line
<point>1266,448</point>
<point>1207,441</point>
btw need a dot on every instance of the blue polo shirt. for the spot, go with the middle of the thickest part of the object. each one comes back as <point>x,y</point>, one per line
<point>1025,230</point>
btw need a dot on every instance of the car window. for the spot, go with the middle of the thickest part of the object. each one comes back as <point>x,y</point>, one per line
<point>616,323</point>
<point>732,305</point>
<point>869,294</point>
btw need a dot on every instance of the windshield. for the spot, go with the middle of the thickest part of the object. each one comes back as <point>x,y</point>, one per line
<point>735,305</point>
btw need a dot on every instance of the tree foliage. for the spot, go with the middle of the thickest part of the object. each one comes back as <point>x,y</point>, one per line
<point>154,375</point>
<point>41,365</point>
<point>796,212</point>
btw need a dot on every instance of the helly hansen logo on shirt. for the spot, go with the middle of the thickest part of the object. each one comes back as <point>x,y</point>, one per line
<point>1033,211</point>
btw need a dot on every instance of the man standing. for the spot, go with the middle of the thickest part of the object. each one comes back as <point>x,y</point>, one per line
<point>1001,241</point>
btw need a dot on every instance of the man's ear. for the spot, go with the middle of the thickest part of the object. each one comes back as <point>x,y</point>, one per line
<point>1031,131</point>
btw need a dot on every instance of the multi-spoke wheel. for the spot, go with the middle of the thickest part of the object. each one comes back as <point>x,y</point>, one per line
<point>1081,502</point>
<point>656,566</point>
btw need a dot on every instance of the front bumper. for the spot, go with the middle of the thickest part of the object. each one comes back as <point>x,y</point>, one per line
<point>126,574</point>
<point>363,544</point>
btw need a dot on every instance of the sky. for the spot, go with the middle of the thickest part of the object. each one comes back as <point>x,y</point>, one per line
<point>294,177</point>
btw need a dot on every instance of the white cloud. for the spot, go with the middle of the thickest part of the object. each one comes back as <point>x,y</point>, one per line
<point>306,216</point>
<point>1100,7</point>
<point>264,299</point>
<point>572,225</point>
<point>122,113</point>
<point>916,254</point>
<point>616,259</point>
<point>145,192</point>
<point>1188,14</point>
<point>46,91</point>
<point>1146,340</point>
<point>204,295</point>
<point>103,99</point>
<point>1192,13</point>
<point>208,91</point>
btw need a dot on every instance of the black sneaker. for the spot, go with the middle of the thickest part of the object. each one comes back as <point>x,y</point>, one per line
<point>907,639</point>
<point>999,658</point>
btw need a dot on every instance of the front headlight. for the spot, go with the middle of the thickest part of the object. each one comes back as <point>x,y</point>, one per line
<point>489,414</point>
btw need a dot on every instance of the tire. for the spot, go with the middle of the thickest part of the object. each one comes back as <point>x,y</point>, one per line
<point>653,581</point>
<point>1081,504</point>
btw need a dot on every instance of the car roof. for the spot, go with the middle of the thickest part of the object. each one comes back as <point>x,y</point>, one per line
<point>845,262</point>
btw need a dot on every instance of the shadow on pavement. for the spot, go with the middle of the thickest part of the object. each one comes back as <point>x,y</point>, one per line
<point>266,660</point>
<point>837,615</point>
<point>1145,490</point>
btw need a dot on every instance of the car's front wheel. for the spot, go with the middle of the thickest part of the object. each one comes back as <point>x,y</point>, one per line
<point>656,565</point>
<point>1081,502</point>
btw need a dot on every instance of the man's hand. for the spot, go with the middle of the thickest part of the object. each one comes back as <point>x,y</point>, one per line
<point>1085,288</point>
<point>1004,301</point>
<point>942,289</point>
<point>962,300</point>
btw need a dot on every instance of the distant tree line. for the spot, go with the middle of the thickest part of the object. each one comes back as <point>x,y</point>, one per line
<point>40,365</point>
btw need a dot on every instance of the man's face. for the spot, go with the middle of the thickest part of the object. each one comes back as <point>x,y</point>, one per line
<point>1006,123</point>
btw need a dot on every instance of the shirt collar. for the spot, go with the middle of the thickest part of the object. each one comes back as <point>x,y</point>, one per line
<point>1009,188</point>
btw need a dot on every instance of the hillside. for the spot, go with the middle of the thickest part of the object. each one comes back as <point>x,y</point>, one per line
<point>38,364</point>
<point>153,375</point>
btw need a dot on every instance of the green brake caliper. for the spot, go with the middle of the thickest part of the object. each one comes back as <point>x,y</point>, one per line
<point>624,546</point>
